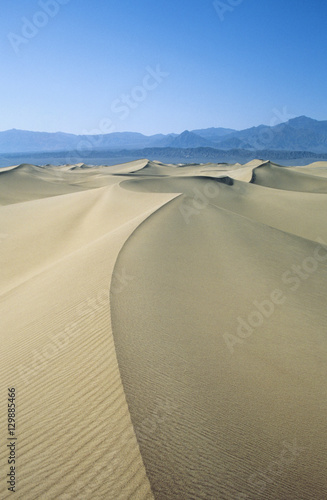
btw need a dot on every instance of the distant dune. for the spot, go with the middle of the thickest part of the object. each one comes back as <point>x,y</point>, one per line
<point>164,328</point>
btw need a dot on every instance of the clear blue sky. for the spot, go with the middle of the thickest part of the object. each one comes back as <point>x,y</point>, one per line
<point>255,62</point>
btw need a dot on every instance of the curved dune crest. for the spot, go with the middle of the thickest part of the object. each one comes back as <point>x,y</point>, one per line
<point>219,411</point>
<point>273,176</point>
<point>164,328</point>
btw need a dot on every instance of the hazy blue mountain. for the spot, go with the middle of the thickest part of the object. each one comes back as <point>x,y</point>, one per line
<point>13,141</point>
<point>164,141</point>
<point>118,140</point>
<point>234,143</point>
<point>302,122</point>
<point>213,134</point>
<point>298,134</point>
<point>189,139</point>
<point>16,141</point>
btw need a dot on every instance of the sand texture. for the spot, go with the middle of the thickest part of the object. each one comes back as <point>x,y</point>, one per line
<point>164,327</point>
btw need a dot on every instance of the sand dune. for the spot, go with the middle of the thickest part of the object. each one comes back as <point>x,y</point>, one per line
<point>164,329</point>
<point>273,176</point>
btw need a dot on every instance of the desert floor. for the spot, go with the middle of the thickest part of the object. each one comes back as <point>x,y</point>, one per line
<point>164,328</point>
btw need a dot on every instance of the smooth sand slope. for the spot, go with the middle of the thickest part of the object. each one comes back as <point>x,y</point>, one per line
<point>165,329</point>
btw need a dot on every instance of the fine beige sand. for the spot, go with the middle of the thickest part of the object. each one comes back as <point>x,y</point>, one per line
<point>164,327</point>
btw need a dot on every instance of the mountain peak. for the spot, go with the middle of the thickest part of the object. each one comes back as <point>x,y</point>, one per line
<point>301,121</point>
<point>189,139</point>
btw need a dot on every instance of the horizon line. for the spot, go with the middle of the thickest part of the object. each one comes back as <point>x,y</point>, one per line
<point>157,133</point>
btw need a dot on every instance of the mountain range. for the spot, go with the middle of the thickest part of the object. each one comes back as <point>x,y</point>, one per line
<point>298,134</point>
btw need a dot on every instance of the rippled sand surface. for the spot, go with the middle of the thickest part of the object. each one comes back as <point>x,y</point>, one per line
<point>165,330</point>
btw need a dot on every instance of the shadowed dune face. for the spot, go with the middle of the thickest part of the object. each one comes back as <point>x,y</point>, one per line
<point>188,305</point>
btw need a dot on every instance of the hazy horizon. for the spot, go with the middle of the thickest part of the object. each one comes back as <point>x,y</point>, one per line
<point>155,133</point>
